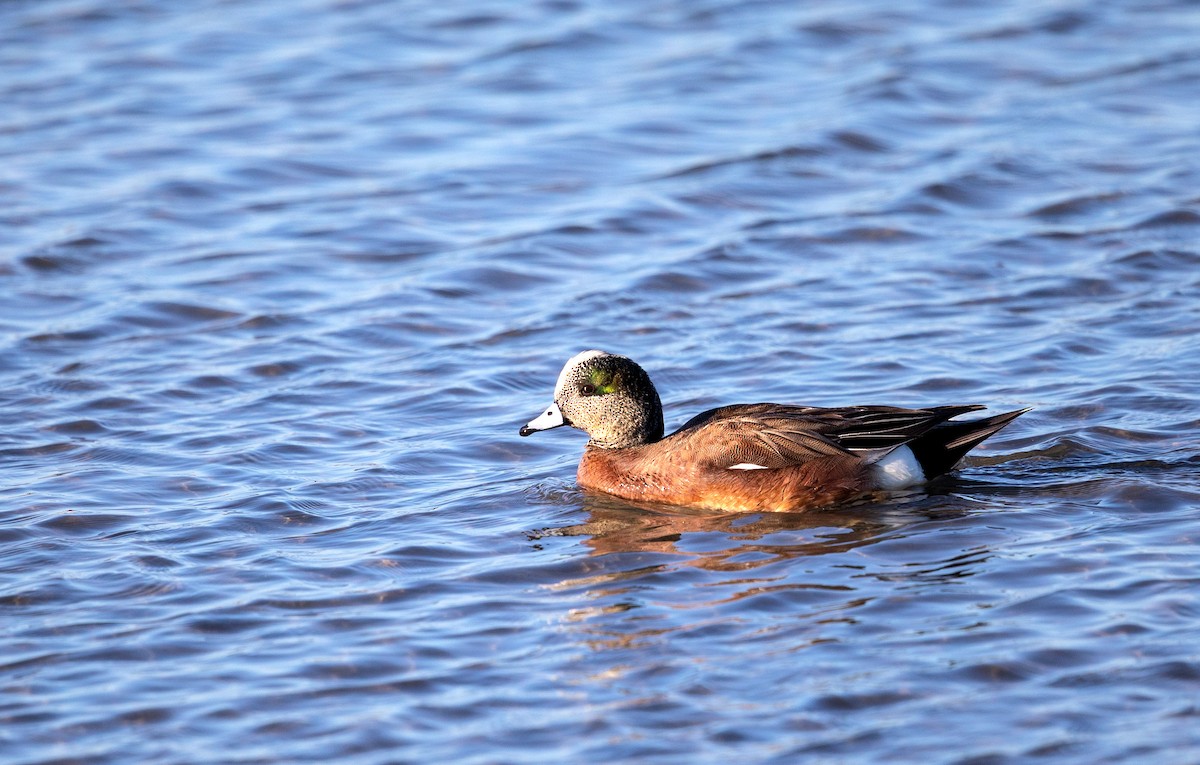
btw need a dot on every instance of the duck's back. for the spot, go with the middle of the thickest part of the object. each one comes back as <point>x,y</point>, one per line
<point>765,457</point>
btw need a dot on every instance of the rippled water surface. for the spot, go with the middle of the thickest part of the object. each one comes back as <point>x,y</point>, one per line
<point>279,281</point>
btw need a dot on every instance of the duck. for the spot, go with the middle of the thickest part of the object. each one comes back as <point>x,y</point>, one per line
<point>750,457</point>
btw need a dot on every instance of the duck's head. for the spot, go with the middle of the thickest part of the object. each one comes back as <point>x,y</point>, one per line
<point>609,397</point>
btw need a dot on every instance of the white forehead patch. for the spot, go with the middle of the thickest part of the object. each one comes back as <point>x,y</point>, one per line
<point>573,362</point>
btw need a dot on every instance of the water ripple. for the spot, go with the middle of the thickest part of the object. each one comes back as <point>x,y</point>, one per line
<point>281,282</point>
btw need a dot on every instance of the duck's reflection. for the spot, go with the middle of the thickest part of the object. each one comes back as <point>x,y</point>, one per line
<point>652,589</point>
<point>728,542</point>
<point>638,555</point>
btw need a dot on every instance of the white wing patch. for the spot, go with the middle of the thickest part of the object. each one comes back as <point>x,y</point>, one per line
<point>748,466</point>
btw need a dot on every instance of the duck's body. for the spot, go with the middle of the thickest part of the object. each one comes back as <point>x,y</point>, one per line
<point>749,457</point>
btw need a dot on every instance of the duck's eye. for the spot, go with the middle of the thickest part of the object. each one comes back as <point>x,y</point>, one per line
<point>587,389</point>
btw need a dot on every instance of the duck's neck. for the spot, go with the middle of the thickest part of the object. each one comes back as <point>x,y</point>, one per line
<point>626,439</point>
<point>633,426</point>
<point>619,443</point>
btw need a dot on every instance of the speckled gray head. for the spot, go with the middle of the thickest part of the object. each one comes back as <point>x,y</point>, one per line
<point>607,396</point>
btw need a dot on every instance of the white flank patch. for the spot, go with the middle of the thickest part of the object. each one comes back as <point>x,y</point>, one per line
<point>748,466</point>
<point>899,469</point>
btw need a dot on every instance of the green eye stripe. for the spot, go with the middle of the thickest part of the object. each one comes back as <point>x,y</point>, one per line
<point>604,381</point>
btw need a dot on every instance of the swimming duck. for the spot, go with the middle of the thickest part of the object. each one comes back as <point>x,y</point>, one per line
<point>749,457</point>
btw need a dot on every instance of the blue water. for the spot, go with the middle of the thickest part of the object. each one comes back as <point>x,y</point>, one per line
<point>280,281</point>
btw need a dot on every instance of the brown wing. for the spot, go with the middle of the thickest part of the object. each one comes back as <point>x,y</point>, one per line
<point>775,435</point>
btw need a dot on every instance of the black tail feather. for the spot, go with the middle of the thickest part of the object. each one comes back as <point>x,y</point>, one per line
<point>940,449</point>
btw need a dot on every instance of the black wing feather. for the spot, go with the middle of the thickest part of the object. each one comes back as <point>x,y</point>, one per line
<point>776,435</point>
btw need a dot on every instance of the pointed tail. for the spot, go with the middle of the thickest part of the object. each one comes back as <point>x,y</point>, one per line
<point>939,449</point>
